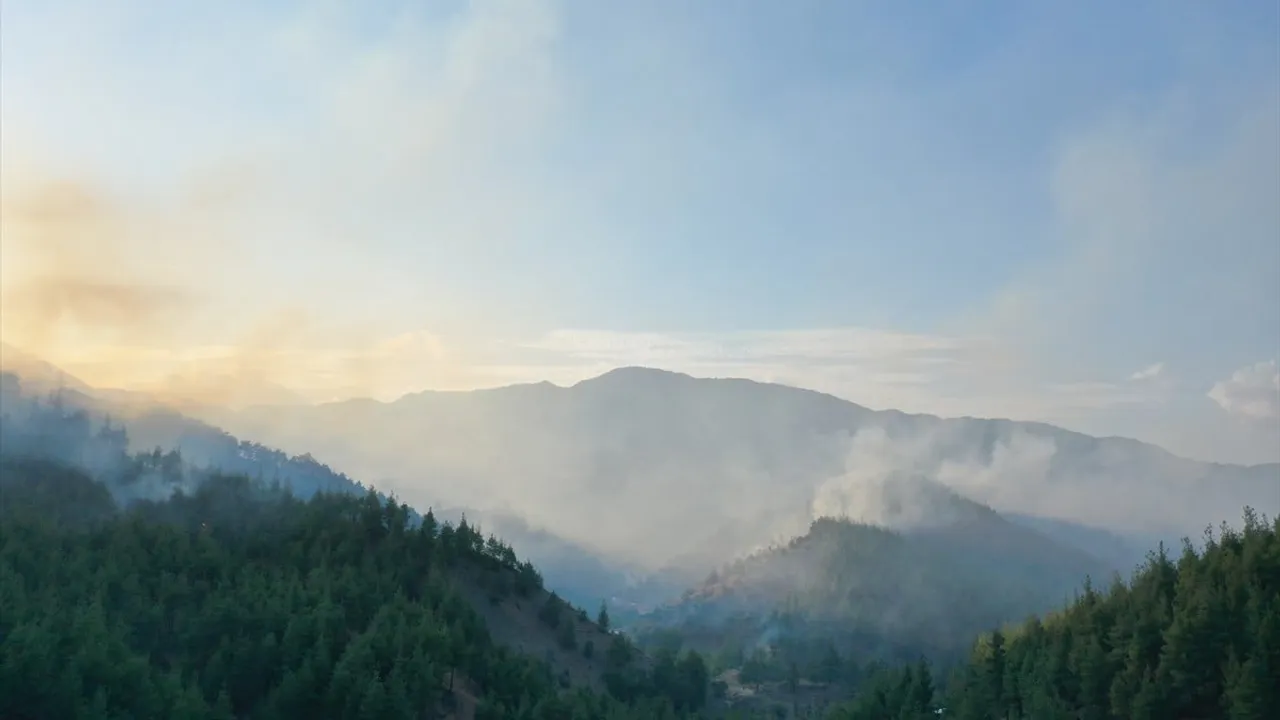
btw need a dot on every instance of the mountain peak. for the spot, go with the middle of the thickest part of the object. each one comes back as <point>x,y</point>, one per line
<point>635,374</point>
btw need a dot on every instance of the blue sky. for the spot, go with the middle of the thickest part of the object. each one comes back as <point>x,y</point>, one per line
<point>991,209</point>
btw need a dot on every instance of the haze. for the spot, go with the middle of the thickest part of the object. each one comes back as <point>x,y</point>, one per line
<point>1016,211</point>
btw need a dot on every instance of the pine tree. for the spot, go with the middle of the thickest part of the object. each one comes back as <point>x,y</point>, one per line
<point>602,617</point>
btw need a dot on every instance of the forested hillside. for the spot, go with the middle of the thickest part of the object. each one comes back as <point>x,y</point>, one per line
<point>139,586</point>
<point>1196,637</point>
<point>848,594</point>
<point>141,443</point>
<point>238,601</point>
<point>175,452</point>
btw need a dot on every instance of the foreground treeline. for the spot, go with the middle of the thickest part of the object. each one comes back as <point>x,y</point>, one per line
<point>1198,637</point>
<point>238,601</point>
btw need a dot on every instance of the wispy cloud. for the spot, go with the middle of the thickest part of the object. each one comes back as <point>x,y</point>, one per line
<point>1252,392</point>
<point>1149,372</point>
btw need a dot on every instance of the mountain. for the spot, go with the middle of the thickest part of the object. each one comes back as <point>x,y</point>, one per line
<point>665,471</point>
<point>37,373</point>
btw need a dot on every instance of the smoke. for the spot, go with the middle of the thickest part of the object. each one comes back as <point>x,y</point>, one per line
<point>917,480</point>
<point>244,373</point>
<point>913,479</point>
<point>133,292</point>
<point>170,227</point>
<point>907,477</point>
<point>887,483</point>
<point>72,271</point>
<point>116,290</point>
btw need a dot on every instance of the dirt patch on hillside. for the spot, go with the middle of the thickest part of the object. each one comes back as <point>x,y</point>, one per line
<point>514,621</point>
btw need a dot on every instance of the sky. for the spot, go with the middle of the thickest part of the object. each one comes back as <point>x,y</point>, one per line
<point>1066,212</point>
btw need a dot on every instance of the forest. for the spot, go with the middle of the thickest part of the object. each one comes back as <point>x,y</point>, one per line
<point>239,601</point>
<point>864,594</point>
<point>1192,637</point>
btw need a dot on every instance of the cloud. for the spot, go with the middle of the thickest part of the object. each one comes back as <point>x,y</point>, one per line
<point>1149,372</point>
<point>1252,392</point>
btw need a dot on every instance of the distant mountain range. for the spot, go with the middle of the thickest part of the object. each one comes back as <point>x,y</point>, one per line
<point>638,482</point>
<point>660,469</point>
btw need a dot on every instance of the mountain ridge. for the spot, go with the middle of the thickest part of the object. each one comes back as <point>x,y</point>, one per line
<point>721,466</point>
<point>654,425</point>
<point>21,363</point>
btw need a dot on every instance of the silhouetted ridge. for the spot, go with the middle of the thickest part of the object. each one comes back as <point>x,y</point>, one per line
<point>635,375</point>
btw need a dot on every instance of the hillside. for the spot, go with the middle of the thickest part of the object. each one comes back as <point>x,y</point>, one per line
<point>577,572</point>
<point>183,592</point>
<point>870,594</point>
<point>724,467</point>
<point>1193,637</point>
<point>238,601</point>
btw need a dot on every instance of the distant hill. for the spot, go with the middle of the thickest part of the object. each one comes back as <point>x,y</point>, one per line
<point>880,594</point>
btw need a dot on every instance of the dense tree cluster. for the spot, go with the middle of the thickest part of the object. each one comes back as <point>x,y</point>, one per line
<point>239,601</point>
<point>1196,637</point>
